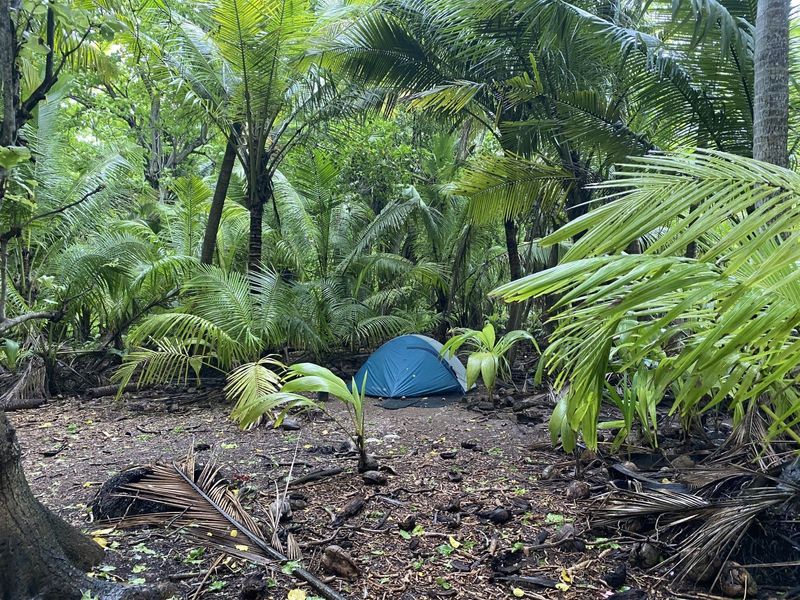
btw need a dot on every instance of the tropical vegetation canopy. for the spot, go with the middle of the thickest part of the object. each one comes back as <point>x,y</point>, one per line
<point>595,198</point>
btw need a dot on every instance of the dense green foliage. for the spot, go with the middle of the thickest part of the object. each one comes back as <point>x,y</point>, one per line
<point>392,163</point>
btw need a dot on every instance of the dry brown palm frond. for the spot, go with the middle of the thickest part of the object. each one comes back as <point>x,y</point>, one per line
<point>748,444</point>
<point>28,389</point>
<point>699,526</point>
<point>206,510</point>
<point>726,525</point>
<point>667,505</point>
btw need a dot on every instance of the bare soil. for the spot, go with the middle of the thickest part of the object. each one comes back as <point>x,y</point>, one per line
<point>448,467</point>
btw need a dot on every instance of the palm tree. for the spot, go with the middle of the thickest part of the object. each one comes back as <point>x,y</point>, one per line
<point>559,121</point>
<point>771,89</point>
<point>242,61</point>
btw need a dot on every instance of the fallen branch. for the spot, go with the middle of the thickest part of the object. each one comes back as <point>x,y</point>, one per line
<point>315,476</point>
<point>19,320</point>
<point>110,390</point>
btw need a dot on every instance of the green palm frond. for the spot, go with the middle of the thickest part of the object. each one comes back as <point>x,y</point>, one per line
<point>721,326</point>
<point>168,362</point>
<point>250,383</point>
<point>389,219</point>
<point>506,187</point>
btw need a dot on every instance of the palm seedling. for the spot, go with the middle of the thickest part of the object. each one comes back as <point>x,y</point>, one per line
<point>487,359</point>
<point>311,378</point>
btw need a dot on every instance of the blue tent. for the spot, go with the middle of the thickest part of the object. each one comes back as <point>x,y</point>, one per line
<point>410,366</point>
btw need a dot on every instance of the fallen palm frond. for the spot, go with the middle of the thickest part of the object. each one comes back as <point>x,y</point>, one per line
<point>28,389</point>
<point>709,523</point>
<point>206,510</point>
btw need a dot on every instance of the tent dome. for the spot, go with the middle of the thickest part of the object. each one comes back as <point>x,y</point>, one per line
<point>410,366</point>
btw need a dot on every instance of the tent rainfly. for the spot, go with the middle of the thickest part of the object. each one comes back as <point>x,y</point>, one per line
<point>410,366</point>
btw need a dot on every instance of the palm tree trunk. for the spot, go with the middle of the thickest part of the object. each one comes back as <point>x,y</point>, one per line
<point>254,244</point>
<point>771,90</point>
<point>516,309</point>
<point>218,202</point>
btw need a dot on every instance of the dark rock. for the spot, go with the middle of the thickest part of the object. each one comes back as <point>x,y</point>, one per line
<point>645,555</point>
<point>290,425</point>
<point>413,544</point>
<point>254,588</point>
<point>450,454</point>
<point>323,449</point>
<point>542,536</point>
<point>525,404</point>
<point>374,478</point>
<point>616,578</point>
<point>469,445</point>
<point>408,523</point>
<point>485,406</point>
<point>498,515</point>
<point>531,417</point>
<point>348,446</point>
<point>461,565</point>
<point>350,510</point>
<point>508,562</point>
<point>578,490</point>
<point>521,506</point>
<point>455,476</point>
<point>450,522</point>
<point>452,506</point>
<point>201,447</point>
<point>338,562</point>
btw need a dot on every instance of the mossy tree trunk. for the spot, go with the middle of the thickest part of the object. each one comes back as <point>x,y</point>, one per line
<point>41,556</point>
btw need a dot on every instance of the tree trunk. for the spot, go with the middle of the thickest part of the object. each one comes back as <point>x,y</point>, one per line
<point>771,90</point>
<point>254,245</point>
<point>218,202</point>
<point>515,309</point>
<point>41,556</point>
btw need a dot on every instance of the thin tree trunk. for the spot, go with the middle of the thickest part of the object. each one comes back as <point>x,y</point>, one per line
<point>254,245</point>
<point>3,278</point>
<point>218,202</point>
<point>515,309</point>
<point>771,90</point>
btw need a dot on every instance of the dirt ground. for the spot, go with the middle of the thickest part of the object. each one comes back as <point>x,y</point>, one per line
<point>450,468</point>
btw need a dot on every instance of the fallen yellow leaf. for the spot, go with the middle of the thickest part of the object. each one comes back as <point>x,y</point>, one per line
<point>101,541</point>
<point>234,533</point>
<point>242,547</point>
<point>562,586</point>
<point>454,542</point>
<point>296,594</point>
<point>517,592</point>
